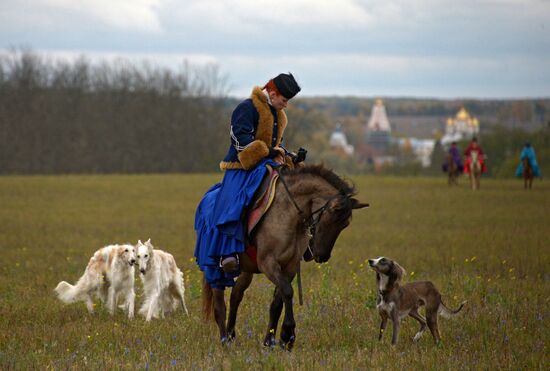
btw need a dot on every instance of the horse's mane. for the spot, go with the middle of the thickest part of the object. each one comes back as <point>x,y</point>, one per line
<point>345,187</point>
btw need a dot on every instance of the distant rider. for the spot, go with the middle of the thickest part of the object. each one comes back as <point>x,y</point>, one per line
<point>528,152</point>
<point>455,155</point>
<point>474,146</point>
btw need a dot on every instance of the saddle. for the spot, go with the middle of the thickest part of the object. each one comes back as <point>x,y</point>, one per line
<point>263,198</point>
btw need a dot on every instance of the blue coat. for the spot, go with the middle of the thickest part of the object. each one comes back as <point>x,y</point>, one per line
<point>256,127</point>
<point>529,153</point>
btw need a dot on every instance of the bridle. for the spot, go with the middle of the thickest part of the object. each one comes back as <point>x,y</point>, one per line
<point>310,221</point>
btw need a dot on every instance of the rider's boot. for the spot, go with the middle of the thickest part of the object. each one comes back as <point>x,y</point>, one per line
<point>229,263</point>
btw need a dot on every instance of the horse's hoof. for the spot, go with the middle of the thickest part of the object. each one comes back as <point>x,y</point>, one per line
<point>225,340</point>
<point>270,342</point>
<point>287,344</point>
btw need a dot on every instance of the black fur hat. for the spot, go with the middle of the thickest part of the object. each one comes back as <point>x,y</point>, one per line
<point>287,85</point>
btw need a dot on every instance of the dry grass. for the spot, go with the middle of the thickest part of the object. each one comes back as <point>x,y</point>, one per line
<point>490,247</point>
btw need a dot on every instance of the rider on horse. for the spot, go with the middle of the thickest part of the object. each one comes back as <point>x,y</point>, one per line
<point>454,153</point>
<point>257,126</point>
<point>474,146</point>
<point>528,152</point>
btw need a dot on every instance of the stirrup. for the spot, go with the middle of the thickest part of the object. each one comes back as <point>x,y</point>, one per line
<point>230,263</point>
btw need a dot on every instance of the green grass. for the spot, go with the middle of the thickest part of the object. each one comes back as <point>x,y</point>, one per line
<point>491,247</point>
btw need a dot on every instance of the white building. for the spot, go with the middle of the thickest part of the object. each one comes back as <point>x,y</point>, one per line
<point>378,120</point>
<point>339,141</point>
<point>378,131</point>
<point>462,126</point>
<point>422,149</point>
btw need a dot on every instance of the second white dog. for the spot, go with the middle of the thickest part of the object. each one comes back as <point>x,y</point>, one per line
<point>162,281</point>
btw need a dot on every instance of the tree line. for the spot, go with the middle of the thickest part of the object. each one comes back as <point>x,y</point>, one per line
<point>59,117</point>
<point>118,117</point>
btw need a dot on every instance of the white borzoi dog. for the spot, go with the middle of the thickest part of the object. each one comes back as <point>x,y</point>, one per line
<point>109,275</point>
<point>162,281</point>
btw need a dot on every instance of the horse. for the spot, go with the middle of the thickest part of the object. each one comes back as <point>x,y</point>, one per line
<point>527,173</point>
<point>452,170</point>
<point>475,169</point>
<point>311,207</point>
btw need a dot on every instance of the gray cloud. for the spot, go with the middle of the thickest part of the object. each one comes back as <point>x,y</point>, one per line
<point>489,48</point>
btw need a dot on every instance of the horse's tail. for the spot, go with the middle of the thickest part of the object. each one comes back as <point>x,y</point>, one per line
<point>207,300</point>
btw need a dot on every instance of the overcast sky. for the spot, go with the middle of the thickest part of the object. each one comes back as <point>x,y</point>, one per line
<point>430,48</point>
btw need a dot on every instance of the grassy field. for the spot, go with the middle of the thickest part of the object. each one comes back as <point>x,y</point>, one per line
<point>490,247</point>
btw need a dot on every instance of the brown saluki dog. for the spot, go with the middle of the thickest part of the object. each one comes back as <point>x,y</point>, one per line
<point>396,301</point>
<point>310,203</point>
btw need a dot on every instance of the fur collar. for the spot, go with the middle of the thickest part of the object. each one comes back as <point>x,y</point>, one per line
<point>265,124</point>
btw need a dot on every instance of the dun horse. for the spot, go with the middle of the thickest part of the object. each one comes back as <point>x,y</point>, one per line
<point>452,170</point>
<point>475,169</point>
<point>310,203</point>
<point>527,173</point>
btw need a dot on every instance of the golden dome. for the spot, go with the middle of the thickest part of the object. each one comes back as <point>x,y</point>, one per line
<point>450,122</point>
<point>463,115</point>
<point>475,122</point>
<point>379,102</point>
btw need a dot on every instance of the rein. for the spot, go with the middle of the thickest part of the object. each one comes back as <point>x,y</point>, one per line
<point>310,222</point>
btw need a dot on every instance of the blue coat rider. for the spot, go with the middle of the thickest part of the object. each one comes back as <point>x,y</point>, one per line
<point>257,127</point>
<point>528,152</point>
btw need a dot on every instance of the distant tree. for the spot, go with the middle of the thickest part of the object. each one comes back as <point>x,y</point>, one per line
<point>437,158</point>
<point>72,117</point>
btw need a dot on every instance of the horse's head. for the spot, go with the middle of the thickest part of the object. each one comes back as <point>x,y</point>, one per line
<point>475,165</point>
<point>330,208</point>
<point>334,216</point>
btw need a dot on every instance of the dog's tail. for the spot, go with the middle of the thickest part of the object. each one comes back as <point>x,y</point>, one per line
<point>207,300</point>
<point>444,311</point>
<point>66,292</point>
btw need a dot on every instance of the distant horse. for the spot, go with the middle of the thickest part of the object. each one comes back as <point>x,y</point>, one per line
<point>527,173</point>
<point>311,203</point>
<point>475,169</point>
<point>453,170</point>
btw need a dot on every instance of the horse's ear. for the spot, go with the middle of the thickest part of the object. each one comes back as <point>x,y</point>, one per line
<point>355,204</point>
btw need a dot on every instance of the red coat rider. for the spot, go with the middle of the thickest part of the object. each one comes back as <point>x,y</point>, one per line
<point>474,146</point>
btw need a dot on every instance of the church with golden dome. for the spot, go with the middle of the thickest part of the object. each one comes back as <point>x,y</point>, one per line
<point>462,126</point>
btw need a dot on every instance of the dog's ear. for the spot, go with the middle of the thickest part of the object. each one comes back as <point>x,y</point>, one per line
<point>398,271</point>
<point>148,242</point>
<point>139,243</point>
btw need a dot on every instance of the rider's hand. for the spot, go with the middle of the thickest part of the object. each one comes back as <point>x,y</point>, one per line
<point>280,158</point>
